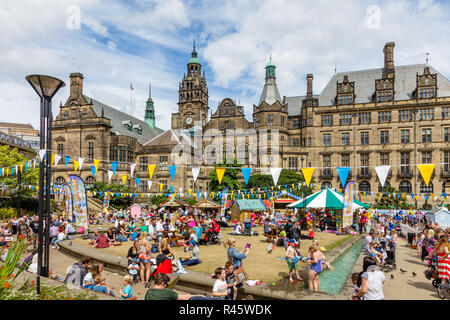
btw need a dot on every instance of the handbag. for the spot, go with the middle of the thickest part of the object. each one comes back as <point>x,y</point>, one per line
<point>240,275</point>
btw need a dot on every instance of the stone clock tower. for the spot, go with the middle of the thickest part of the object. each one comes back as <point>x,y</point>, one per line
<point>192,97</point>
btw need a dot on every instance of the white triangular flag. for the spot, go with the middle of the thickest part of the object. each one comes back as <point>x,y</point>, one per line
<point>132,167</point>
<point>195,172</point>
<point>41,154</point>
<point>34,164</point>
<point>275,174</point>
<point>181,190</point>
<point>149,185</point>
<point>57,158</point>
<point>110,174</point>
<point>80,160</point>
<point>382,172</point>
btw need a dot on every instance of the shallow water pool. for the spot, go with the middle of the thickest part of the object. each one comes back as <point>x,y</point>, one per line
<point>333,281</point>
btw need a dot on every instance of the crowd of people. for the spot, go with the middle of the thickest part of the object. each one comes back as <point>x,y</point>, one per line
<point>154,233</point>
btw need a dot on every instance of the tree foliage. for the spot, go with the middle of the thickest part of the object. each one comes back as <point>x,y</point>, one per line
<point>11,157</point>
<point>230,178</point>
<point>392,202</point>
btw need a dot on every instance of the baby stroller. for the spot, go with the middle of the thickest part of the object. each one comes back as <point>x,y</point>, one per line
<point>388,263</point>
<point>432,273</point>
<point>213,234</point>
<point>247,227</point>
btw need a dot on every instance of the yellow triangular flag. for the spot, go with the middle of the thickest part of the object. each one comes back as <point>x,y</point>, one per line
<point>76,164</point>
<point>21,167</point>
<point>307,174</point>
<point>151,169</point>
<point>124,178</point>
<point>96,162</point>
<point>161,187</point>
<point>220,172</point>
<point>426,170</point>
<point>53,158</point>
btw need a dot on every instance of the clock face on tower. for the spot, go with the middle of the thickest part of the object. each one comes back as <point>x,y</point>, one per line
<point>188,121</point>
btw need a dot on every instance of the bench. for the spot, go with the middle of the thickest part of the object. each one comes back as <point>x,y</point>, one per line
<point>270,237</point>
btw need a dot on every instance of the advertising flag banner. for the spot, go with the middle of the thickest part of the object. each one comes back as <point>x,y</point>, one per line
<point>79,197</point>
<point>347,212</point>
<point>68,202</point>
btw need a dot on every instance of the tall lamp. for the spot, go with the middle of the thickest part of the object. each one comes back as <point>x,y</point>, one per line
<point>46,87</point>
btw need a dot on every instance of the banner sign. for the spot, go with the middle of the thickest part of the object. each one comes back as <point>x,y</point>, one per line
<point>79,201</point>
<point>68,204</point>
<point>347,213</point>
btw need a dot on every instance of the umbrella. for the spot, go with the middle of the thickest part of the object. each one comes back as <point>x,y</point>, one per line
<point>326,199</point>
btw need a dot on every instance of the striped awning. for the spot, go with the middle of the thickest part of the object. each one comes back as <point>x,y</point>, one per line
<point>326,199</point>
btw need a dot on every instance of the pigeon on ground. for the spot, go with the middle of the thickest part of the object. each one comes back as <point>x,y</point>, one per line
<point>414,274</point>
<point>392,276</point>
<point>403,271</point>
<point>70,243</point>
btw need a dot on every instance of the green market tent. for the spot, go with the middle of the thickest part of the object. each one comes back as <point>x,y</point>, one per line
<point>326,198</point>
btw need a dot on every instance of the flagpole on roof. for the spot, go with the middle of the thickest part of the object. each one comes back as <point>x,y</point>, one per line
<point>131,97</point>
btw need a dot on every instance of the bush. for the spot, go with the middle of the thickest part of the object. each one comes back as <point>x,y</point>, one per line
<point>7,213</point>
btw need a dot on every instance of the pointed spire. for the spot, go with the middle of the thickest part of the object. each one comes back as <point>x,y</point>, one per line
<point>103,112</point>
<point>149,92</point>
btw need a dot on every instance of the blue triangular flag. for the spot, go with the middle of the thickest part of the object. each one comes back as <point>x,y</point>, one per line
<point>114,165</point>
<point>343,174</point>
<point>444,195</point>
<point>138,180</point>
<point>12,170</point>
<point>426,197</point>
<point>66,160</point>
<point>171,189</point>
<point>26,166</point>
<point>246,173</point>
<point>93,170</point>
<point>172,170</point>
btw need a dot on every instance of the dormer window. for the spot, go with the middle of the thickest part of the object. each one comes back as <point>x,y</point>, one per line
<point>345,92</point>
<point>128,125</point>
<point>384,96</point>
<point>426,85</point>
<point>138,129</point>
<point>426,93</point>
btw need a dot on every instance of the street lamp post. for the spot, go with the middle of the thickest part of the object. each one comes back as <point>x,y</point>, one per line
<point>19,184</point>
<point>415,157</point>
<point>46,87</point>
<point>354,115</point>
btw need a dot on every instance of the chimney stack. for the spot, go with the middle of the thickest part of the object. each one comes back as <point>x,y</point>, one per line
<point>309,85</point>
<point>76,85</point>
<point>389,57</point>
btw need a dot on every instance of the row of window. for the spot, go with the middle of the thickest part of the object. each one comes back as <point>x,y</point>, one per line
<point>384,137</point>
<point>271,121</point>
<point>404,187</point>
<point>405,160</point>
<point>384,116</point>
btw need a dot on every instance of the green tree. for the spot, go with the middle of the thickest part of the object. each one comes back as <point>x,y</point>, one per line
<point>156,200</point>
<point>287,177</point>
<point>230,178</point>
<point>11,157</point>
<point>393,202</point>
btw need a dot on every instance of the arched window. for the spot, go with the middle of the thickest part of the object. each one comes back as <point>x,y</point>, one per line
<point>425,189</point>
<point>211,156</point>
<point>243,156</point>
<point>381,189</point>
<point>446,187</point>
<point>90,180</point>
<point>227,152</point>
<point>326,184</point>
<point>60,180</point>
<point>405,187</point>
<point>364,186</point>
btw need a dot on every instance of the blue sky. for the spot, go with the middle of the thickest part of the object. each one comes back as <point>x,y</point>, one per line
<point>151,40</point>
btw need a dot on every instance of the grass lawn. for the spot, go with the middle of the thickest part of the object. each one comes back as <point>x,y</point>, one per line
<point>259,264</point>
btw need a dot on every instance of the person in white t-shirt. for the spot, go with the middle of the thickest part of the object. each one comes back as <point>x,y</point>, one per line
<point>220,288</point>
<point>372,282</point>
<point>368,239</point>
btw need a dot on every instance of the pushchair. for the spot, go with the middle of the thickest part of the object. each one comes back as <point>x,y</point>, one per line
<point>247,227</point>
<point>213,234</point>
<point>432,273</point>
<point>388,263</point>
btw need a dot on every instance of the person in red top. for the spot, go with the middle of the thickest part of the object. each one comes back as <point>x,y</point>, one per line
<point>442,249</point>
<point>102,241</point>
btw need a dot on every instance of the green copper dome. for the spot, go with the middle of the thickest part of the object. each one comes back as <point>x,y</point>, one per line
<point>194,55</point>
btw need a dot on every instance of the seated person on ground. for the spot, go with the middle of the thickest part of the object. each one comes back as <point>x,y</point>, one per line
<point>161,292</point>
<point>195,255</point>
